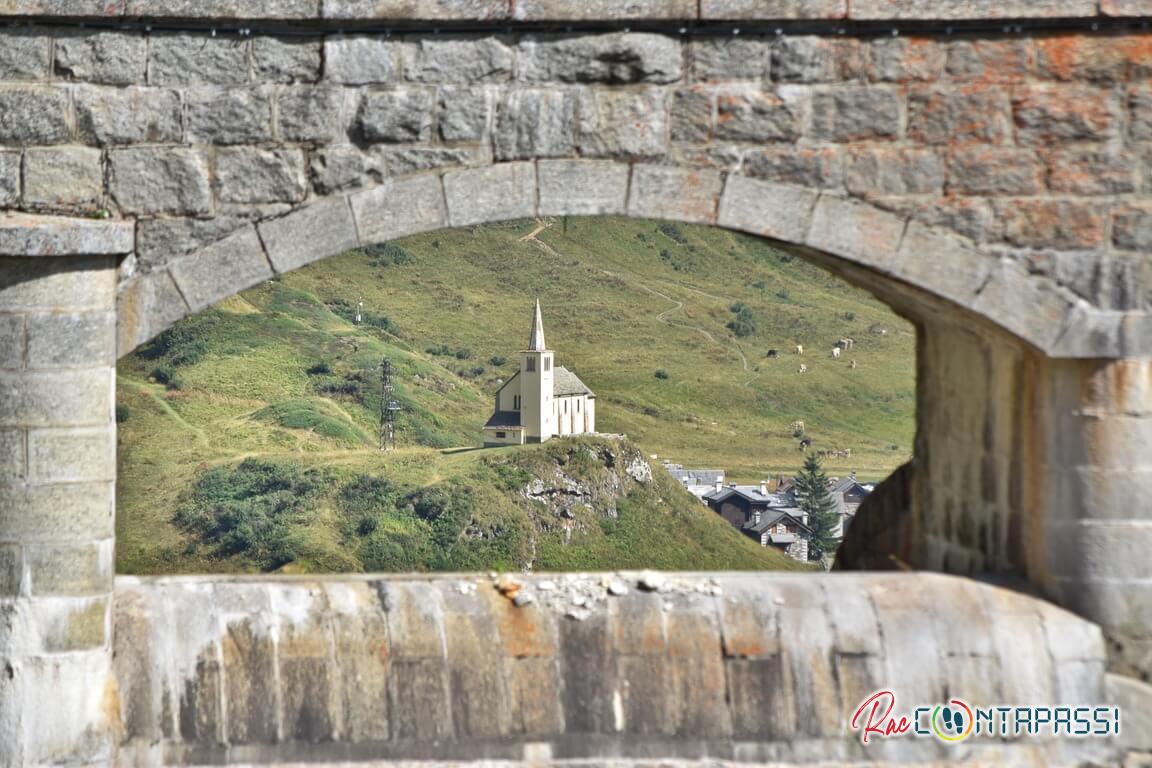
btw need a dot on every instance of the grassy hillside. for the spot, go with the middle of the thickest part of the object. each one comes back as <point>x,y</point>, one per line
<point>282,374</point>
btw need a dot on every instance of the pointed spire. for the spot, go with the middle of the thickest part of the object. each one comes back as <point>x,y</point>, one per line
<point>536,340</point>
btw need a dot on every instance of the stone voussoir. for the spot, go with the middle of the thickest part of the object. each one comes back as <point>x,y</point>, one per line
<point>28,235</point>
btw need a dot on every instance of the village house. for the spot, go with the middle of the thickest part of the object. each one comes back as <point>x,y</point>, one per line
<point>698,482</point>
<point>542,400</point>
<point>771,519</point>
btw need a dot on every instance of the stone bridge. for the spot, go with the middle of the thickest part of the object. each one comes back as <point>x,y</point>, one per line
<point>983,166</point>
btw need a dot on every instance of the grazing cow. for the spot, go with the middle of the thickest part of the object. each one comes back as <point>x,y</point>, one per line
<point>852,365</point>
<point>797,427</point>
<point>799,349</point>
<point>805,444</point>
<point>803,368</point>
<point>836,352</point>
<point>772,353</point>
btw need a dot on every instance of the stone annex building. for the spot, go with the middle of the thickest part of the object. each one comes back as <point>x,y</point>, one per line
<point>541,400</point>
<point>984,167</point>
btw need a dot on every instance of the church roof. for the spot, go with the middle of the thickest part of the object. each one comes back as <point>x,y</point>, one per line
<point>536,340</point>
<point>504,419</point>
<point>568,383</point>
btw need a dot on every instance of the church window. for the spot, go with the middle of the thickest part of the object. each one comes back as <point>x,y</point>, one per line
<point>531,364</point>
<point>516,402</point>
<point>565,406</point>
<point>501,435</point>
<point>547,363</point>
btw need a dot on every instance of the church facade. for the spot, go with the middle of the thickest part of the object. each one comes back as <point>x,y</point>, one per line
<point>542,400</point>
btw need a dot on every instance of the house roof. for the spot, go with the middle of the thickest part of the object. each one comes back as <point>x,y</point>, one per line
<point>749,492</point>
<point>846,484</point>
<point>567,383</point>
<point>695,476</point>
<point>792,514</point>
<point>509,419</point>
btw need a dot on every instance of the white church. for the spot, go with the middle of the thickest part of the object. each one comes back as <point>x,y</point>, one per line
<point>542,400</point>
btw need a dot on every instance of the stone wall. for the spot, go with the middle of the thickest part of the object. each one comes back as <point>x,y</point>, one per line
<point>747,668</point>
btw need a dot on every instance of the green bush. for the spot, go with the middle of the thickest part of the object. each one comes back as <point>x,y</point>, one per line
<point>184,343</point>
<point>447,510</point>
<point>463,354</point>
<point>122,414</point>
<point>165,374</point>
<point>388,254</point>
<point>319,369</point>
<point>661,374</point>
<point>497,361</point>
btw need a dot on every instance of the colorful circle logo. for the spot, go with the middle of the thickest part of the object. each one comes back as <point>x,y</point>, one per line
<point>950,724</point>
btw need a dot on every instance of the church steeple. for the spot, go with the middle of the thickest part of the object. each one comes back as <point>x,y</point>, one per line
<point>536,340</point>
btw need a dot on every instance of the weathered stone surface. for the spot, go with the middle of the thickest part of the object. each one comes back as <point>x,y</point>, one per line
<point>996,171</point>
<point>731,58</point>
<point>25,54</point>
<point>338,168</point>
<point>78,511</point>
<point>151,181</point>
<point>948,116</point>
<point>1140,104</point>
<point>996,60</point>
<point>250,175</point>
<point>463,113</point>
<point>401,161</point>
<point>307,234</point>
<point>63,178</point>
<point>9,178</point>
<point>461,60</point>
<point>972,9</point>
<point>773,9</point>
<point>621,57</point>
<point>160,240</point>
<point>506,191</point>
<point>894,172</point>
<point>146,306</point>
<point>232,116</point>
<point>361,60</point>
<point>819,168</point>
<point>931,258</point>
<point>471,10</point>
<point>117,58</point>
<point>403,115</point>
<point>630,124</point>
<point>194,59</point>
<point>71,340</point>
<point>1132,228</point>
<point>815,59</point>
<point>75,455</point>
<point>1089,172</point>
<point>906,59</point>
<point>128,115</point>
<point>25,235</point>
<point>311,113</point>
<point>562,10</point>
<point>1101,58</point>
<point>853,114</point>
<point>71,570</point>
<point>33,115</point>
<point>536,123</point>
<point>1047,115</point>
<point>582,187</point>
<point>1125,7</point>
<point>692,115</point>
<point>286,60</point>
<point>759,116</point>
<point>220,269</point>
<point>399,207</point>
<point>11,356</point>
<point>763,208</point>
<point>856,231</point>
<point>224,9</point>
<point>1061,224</point>
<point>662,192</point>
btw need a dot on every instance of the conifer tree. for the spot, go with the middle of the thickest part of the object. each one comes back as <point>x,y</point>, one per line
<point>815,499</point>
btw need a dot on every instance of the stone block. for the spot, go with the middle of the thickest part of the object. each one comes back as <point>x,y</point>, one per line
<point>71,339</point>
<point>816,59</point>
<point>1097,58</point>
<point>971,9</point>
<point>160,180</point>
<point>147,305</point>
<point>9,179</point>
<point>717,59</point>
<point>1031,307</point>
<point>228,116</point>
<point>72,455</point>
<point>69,570</point>
<point>33,115</point>
<point>463,113</point>
<point>856,231</point>
<point>400,160</point>
<point>422,710</point>
<point>11,341</point>
<point>309,234</point>
<point>402,115</point>
<point>13,467</point>
<point>906,59</point>
<point>334,169</point>
<point>311,114</point>
<point>991,60</point>
<point>221,269</point>
<point>479,695</point>
<point>713,10</point>
<point>399,207</point>
<point>582,187</point>
<point>69,178</point>
<point>196,58</point>
<point>662,192</point>
<point>1087,172</point>
<point>61,512</point>
<point>894,172</point>
<point>1066,224</point>
<point>80,283</point>
<point>115,58</point>
<point>950,116</point>
<point>25,54</point>
<point>1126,8</point>
<point>128,115</point>
<point>562,10</point>
<point>1047,115</point>
<point>618,57</point>
<point>225,9</point>
<point>253,175</point>
<point>856,113</point>
<point>11,567</point>
<point>759,116</point>
<point>533,123</point>
<point>361,60</point>
<point>1132,696</point>
<point>1132,228</point>
<point>159,241</point>
<point>698,686</point>
<point>482,195</point>
<point>624,124</point>
<point>819,168</point>
<point>692,115</point>
<point>464,10</point>
<point>41,398</point>
<point>1140,111</point>
<point>942,263</point>
<point>768,209</point>
<point>457,60</point>
<point>996,171</point>
<point>286,60</point>
<point>54,624</point>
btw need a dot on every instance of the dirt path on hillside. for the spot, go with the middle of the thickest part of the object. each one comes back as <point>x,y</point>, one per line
<point>145,390</point>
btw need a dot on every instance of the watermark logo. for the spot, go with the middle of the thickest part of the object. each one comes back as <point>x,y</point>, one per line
<point>956,720</point>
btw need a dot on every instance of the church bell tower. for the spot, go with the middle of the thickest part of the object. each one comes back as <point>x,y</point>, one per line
<point>537,376</point>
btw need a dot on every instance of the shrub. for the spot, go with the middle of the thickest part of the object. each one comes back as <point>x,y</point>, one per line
<point>784,294</point>
<point>849,316</point>
<point>463,353</point>
<point>183,343</point>
<point>121,414</point>
<point>651,411</point>
<point>318,369</point>
<point>165,374</point>
<point>661,374</point>
<point>496,361</point>
<point>673,232</point>
<point>388,254</point>
<point>741,328</point>
<point>448,510</point>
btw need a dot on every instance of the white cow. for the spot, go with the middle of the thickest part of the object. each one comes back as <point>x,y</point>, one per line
<point>803,368</point>
<point>836,352</point>
<point>799,349</point>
